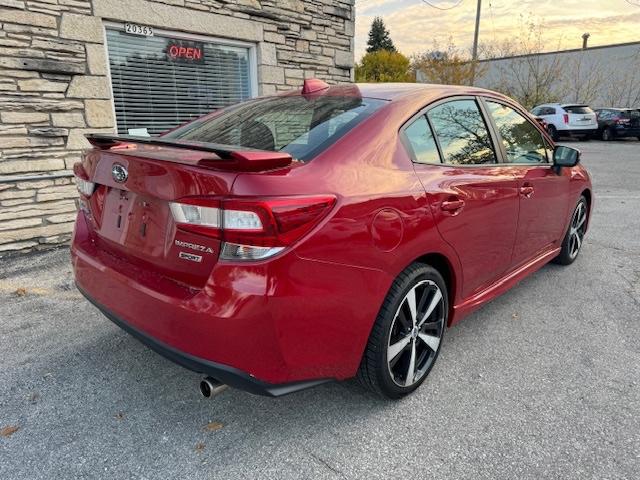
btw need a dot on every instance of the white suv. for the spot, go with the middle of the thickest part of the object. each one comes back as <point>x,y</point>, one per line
<point>567,120</point>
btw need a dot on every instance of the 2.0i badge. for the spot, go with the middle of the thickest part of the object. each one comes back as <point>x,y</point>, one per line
<point>119,173</point>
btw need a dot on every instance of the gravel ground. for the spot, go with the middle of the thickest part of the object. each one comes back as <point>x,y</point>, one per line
<point>543,382</point>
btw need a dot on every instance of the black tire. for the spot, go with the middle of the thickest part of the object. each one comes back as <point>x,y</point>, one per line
<point>553,133</point>
<point>569,253</point>
<point>607,134</point>
<point>375,371</point>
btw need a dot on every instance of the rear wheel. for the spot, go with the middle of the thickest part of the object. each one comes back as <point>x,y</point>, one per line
<point>574,237</point>
<point>553,132</point>
<point>607,134</point>
<point>406,337</point>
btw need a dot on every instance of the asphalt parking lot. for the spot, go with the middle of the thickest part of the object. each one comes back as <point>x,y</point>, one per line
<point>543,382</point>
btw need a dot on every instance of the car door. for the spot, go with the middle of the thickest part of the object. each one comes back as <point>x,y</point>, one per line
<point>474,201</point>
<point>543,192</point>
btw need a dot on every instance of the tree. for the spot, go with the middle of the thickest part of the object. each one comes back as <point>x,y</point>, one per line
<point>384,66</point>
<point>448,66</point>
<point>526,75</point>
<point>379,38</point>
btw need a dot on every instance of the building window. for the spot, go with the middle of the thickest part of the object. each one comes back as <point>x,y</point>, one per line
<point>162,81</point>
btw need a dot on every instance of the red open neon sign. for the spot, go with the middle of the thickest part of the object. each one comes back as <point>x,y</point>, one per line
<point>183,51</point>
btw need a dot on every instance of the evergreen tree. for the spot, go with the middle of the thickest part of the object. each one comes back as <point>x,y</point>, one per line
<point>379,38</point>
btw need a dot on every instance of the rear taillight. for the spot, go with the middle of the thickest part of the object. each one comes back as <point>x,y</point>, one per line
<point>84,186</point>
<point>565,118</point>
<point>251,229</point>
<point>621,121</point>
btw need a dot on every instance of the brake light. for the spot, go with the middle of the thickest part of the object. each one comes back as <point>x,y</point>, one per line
<point>84,186</point>
<point>251,228</point>
<point>565,118</point>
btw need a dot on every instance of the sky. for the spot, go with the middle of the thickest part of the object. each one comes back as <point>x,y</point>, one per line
<point>414,25</point>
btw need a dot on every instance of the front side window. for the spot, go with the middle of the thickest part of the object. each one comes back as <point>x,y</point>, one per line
<point>422,142</point>
<point>462,133</point>
<point>522,141</point>
<point>298,125</point>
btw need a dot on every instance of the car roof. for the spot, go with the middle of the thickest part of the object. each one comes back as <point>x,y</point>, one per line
<point>397,91</point>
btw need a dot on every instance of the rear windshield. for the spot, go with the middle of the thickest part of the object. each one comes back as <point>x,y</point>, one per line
<point>301,126</point>
<point>577,109</point>
<point>630,114</point>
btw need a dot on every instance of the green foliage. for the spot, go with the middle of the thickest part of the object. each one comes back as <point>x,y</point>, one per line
<point>384,66</point>
<point>379,38</point>
<point>445,65</point>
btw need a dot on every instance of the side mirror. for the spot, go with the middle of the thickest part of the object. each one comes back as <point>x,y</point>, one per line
<point>565,157</point>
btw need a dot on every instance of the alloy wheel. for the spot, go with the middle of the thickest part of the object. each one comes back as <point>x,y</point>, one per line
<point>416,332</point>
<point>577,229</point>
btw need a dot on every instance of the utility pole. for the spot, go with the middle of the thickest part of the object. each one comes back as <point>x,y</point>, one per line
<point>474,55</point>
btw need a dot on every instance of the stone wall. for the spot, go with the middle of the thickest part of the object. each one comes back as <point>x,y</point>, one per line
<point>54,86</point>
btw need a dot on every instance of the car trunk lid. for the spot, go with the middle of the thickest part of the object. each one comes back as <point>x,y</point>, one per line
<point>137,179</point>
<point>581,116</point>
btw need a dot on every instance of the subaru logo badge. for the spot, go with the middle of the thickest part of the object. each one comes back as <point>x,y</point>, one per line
<point>119,173</point>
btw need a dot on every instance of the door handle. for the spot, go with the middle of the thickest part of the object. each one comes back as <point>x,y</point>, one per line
<point>451,205</point>
<point>526,191</point>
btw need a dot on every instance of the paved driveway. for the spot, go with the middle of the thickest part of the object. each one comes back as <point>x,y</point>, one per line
<point>544,382</point>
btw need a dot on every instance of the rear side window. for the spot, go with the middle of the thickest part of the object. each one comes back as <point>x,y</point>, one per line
<point>549,111</point>
<point>462,133</point>
<point>422,142</point>
<point>301,126</point>
<point>522,141</point>
<point>578,109</point>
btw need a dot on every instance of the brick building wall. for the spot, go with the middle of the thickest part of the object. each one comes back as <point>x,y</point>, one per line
<point>55,86</point>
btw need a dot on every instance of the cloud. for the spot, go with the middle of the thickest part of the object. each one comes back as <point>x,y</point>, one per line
<point>414,25</point>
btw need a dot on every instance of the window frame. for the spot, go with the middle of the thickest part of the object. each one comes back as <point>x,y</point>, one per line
<point>503,151</point>
<point>424,112</point>
<point>180,35</point>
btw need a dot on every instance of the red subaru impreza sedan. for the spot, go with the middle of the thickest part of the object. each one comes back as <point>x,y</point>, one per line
<point>325,233</point>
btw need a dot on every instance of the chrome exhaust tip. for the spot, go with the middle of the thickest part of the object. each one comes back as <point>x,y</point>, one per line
<point>210,387</point>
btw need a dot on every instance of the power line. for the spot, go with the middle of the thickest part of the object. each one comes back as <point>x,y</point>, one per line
<point>443,8</point>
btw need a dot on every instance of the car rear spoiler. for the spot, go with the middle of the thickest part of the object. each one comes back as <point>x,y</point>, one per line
<point>228,157</point>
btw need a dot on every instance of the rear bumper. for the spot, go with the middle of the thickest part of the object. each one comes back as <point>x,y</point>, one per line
<point>223,373</point>
<point>622,132</point>
<point>270,328</point>
<point>577,132</point>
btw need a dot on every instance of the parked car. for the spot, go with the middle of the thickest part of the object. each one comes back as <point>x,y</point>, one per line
<point>618,123</point>
<point>323,234</point>
<point>567,120</point>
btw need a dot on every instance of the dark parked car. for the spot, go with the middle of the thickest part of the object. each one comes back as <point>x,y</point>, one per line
<point>323,234</point>
<point>618,123</point>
